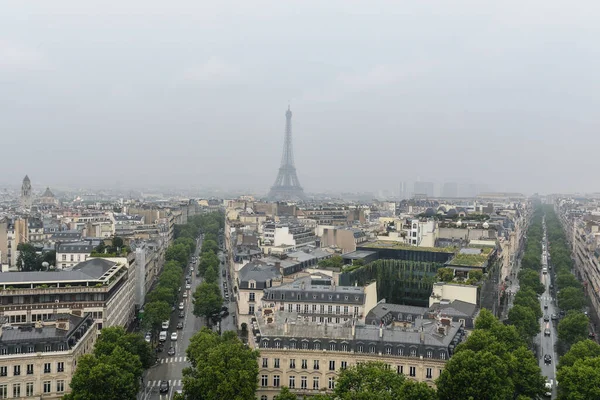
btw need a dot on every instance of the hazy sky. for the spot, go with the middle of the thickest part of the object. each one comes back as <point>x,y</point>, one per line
<point>142,92</point>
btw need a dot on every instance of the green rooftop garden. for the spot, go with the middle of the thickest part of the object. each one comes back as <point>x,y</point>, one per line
<point>470,260</point>
<point>382,244</point>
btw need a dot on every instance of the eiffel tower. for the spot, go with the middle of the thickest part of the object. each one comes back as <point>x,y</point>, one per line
<point>287,186</point>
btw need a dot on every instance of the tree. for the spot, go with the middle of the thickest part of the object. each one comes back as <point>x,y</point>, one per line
<point>580,381</point>
<point>530,279</point>
<point>471,375</point>
<point>207,300</point>
<point>99,379</point>
<point>210,275</point>
<point>579,351</point>
<point>566,279</point>
<point>116,337</point>
<point>524,319</point>
<point>372,378</point>
<point>177,252</point>
<point>117,244</point>
<point>486,320</point>
<point>155,313</point>
<point>49,257</point>
<point>161,293</point>
<point>571,299</point>
<point>528,298</point>
<point>28,259</point>
<point>445,274</point>
<point>412,390</point>
<point>333,262</point>
<point>207,260</point>
<point>573,328</point>
<point>209,246</point>
<point>476,275</point>
<point>285,394</point>
<point>525,374</point>
<point>222,368</point>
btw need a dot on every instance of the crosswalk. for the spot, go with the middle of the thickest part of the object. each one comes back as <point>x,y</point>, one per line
<point>173,360</point>
<point>546,298</point>
<point>172,382</point>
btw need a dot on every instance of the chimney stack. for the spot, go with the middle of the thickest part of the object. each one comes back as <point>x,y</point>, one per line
<point>422,336</point>
<point>285,327</point>
<point>381,330</point>
<point>353,328</point>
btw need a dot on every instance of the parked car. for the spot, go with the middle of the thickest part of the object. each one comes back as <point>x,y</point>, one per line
<point>148,337</point>
<point>181,306</point>
<point>554,317</point>
<point>164,387</point>
<point>188,286</point>
<point>165,325</point>
<point>185,295</point>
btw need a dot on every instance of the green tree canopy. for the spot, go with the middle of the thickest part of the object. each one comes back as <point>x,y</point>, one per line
<point>210,275</point>
<point>335,261</point>
<point>207,300</point>
<point>573,327</point>
<point>579,351</point>
<point>525,320</point>
<point>445,274</point>
<point>567,279</point>
<point>530,279</point>
<point>155,313</point>
<point>528,298</point>
<point>28,259</point>
<point>285,394</point>
<point>116,337</point>
<point>580,381</point>
<point>161,293</point>
<point>222,368</point>
<point>571,298</point>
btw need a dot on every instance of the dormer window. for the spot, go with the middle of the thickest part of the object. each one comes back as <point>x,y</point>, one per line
<point>252,285</point>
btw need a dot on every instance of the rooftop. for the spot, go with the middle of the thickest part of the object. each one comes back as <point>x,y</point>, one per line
<point>258,271</point>
<point>94,269</point>
<point>383,244</point>
<point>30,333</point>
<point>316,284</point>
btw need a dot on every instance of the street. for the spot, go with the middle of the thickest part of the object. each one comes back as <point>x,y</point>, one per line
<point>546,343</point>
<point>170,368</point>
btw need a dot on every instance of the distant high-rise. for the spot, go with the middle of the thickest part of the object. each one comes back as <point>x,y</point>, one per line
<point>26,198</point>
<point>287,186</point>
<point>450,189</point>
<point>423,188</point>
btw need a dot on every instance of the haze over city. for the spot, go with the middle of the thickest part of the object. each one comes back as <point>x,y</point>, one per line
<point>151,93</point>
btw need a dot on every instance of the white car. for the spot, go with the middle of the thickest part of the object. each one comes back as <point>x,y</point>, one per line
<point>185,295</point>
<point>181,307</point>
<point>162,336</point>
<point>148,337</point>
<point>174,336</point>
<point>188,286</point>
<point>165,325</point>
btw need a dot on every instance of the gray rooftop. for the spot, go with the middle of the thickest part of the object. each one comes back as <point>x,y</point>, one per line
<point>77,247</point>
<point>358,254</point>
<point>28,333</point>
<point>382,309</point>
<point>90,270</point>
<point>305,284</point>
<point>258,271</point>
<point>457,308</point>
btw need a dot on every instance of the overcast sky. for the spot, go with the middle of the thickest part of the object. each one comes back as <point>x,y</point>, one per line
<point>173,92</point>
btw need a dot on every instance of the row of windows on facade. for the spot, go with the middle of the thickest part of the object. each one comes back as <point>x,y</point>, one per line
<point>52,298</point>
<point>16,369</point>
<point>29,389</point>
<point>22,318</point>
<point>332,367</point>
<point>21,349</point>
<point>358,348</point>
<point>298,296</point>
<point>79,258</point>
<point>264,379</point>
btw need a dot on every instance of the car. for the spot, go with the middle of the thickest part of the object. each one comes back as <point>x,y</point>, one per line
<point>180,288</point>
<point>181,314</point>
<point>554,317</point>
<point>551,287</point>
<point>546,318</point>
<point>181,306</point>
<point>562,312</point>
<point>188,280</point>
<point>188,286</point>
<point>148,337</point>
<point>165,325</point>
<point>546,332</point>
<point>173,309</point>
<point>224,308</point>
<point>164,387</point>
<point>548,359</point>
<point>224,313</point>
<point>171,351</point>
<point>185,295</point>
<point>162,336</point>
<point>174,336</point>
<point>180,325</point>
<point>545,306</point>
<point>592,335</point>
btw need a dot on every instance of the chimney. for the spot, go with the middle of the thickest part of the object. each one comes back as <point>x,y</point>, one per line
<point>422,336</point>
<point>285,327</point>
<point>381,330</point>
<point>38,324</point>
<point>354,329</point>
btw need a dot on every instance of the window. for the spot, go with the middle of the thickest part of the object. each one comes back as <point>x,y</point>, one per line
<point>47,368</point>
<point>304,364</point>
<point>3,351</point>
<point>429,354</point>
<point>251,296</point>
<point>388,350</point>
<point>315,382</point>
<point>17,370</point>
<point>400,369</point>
<point>412,371</point>
<point>297,308</point>
<point>315,364</point>
<point>18,350</point>
<point>331,383</point>
<point>371,349</point>
<point>355,311</point>
<point>30,369</point>
<point>329,309</point>
<point>3,371</point>
<point>292,382</point>
<point>47,388</point>
<point>276,380</point>
<point>251,309</point>
<point>252,285</point>
<point>317,346</point>
<point>264,380</point>
<point>292,363</point>
<point>314,308</point>
<point>443,355</point>
<point>332,365</point>
<point>346,308</point>
<point>304,345</point>
<point>265,362</point>
<point>60,366</point>
<point>408,317</point>
<point>16,390</point>
<point>332,346</point>
<point>440,372</point>
<point>276,363</point>
<point>337,310</point>
<point>322,308</point>
<point>303,382</point>
<point>413,352</point>
<point>64,257</point>
<point>72,258</point>
<point>359,348</point>
<point>290,307</point>
<point>344,347</point>
<point>344,364</point>
<point>47,348</point>
<point>429,373</point>
<point>264,397</point>
<point>29,389</point>
<point>292,344</point>
<point>400,351</point>
<point>306,308</point>
<point>3,391</point>
<point>30,349</point>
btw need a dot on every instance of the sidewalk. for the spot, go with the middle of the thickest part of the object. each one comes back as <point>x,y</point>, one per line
<point>511,290</point>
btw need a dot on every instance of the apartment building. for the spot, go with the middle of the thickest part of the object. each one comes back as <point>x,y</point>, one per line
<point>307,357</point>
<point>345,239</point>
<point>70,254</point>
<point>103,287</point>
<point>318,298</point>
<point>37,360</point>
<point>288,236</point>
<point>252,279</point>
